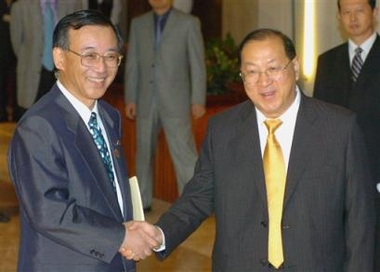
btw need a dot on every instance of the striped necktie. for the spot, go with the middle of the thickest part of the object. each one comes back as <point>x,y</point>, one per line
<point>357,64</point>
<point>275,179</point>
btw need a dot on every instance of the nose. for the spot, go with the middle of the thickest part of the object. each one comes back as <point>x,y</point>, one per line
<point>353,16</point>
<point>100,65</point>
<point>264,79</point>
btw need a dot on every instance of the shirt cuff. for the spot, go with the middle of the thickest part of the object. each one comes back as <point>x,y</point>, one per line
<point>378,187</point>
<point>162,247</point>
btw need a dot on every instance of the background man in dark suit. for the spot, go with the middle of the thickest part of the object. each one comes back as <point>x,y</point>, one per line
<point>327,217</point>
<point>165,86</point>
<point>334,81</point>
<point>74,206</point>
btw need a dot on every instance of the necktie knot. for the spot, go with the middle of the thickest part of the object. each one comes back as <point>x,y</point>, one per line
<point>272,125</point>
<point>358,50</point>
<point>93,120</point>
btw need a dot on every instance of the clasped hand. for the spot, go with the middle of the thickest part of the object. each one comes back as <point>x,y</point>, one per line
<point>140,239</point>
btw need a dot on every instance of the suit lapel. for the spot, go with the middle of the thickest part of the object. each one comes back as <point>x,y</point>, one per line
<point>345,77</point>
<point>86,146</point>
<point>118,159</point>
<point>170,23</point>
<point>249,153</point>
<point>303,146</point>
<point>371,64</point>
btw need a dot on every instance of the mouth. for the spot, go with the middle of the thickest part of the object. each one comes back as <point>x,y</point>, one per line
<point>268,94</point>
<point>97,80</point>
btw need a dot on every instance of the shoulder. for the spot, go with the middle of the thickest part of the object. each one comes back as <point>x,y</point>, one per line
<point>184,17</point>
<point>335,51</point>
<point>143,18</point>
<point>233,114</point>
<point>325,111</point>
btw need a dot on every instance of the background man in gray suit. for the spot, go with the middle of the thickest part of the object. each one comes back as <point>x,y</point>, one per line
<point>29,28</point>
<point>74,204</point>
<point>327,214</point>
<point>165,84</point>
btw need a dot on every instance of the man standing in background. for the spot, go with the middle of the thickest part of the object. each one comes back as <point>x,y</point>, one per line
<point>165,83</point>
<point>110,8</point>
<point>31,28</point>
<point>349,75</point>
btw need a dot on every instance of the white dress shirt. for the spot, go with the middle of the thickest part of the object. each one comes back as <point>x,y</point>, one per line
<point>284,134</point>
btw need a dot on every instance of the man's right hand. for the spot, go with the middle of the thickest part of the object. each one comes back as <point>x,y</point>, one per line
<point>130,110</point>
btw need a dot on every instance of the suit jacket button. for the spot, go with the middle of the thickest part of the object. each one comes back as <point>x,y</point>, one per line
<point>263,224</point>
<point>285,226</point>
<point>264,262</point>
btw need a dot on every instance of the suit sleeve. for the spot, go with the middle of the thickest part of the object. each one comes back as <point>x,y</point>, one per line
<point>360,213</point>
<point>132,67</point>
<point>194,205</point>
<point>38,167</point>
<point>197,63</point>
<point>318,83</point>
<point>16,30</point>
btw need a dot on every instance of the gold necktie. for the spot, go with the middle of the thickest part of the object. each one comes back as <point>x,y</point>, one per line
<point>275,178</point>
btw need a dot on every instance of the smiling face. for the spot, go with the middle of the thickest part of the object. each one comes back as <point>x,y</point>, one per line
<point>87,84</point>
<point>271,95</point>
<point>357,18</point>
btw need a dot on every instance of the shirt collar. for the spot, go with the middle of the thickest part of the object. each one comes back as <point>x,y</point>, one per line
<point>82,109</point>
<point>366,46</point>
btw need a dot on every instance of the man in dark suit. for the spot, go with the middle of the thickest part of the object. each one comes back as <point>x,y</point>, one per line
<point>326,221</point>
<point>74,203</point>
<point>334,81</point>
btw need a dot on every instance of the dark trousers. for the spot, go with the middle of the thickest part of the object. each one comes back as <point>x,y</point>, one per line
<point>7,84</point>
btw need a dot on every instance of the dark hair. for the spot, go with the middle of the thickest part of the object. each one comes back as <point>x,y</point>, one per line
<point>78,20</point>
<point>264,33</point>
<point>372,3</point>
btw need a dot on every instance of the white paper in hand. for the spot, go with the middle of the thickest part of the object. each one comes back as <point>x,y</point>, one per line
<point>138,211</point>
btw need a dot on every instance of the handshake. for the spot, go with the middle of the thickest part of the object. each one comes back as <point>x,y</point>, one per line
<point>140,239</point>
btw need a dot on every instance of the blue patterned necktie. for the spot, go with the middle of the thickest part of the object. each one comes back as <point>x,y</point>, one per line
<point>102,147</point>
<point>357,64</point>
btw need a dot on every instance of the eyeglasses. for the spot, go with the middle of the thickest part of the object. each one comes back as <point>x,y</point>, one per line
<point>274,73</point>
<point>91,59</point>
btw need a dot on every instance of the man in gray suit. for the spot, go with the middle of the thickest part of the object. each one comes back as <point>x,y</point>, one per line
<point>75,201</point>
<point>29,27</point>
<point>165,84</point>
<point>327,214</point>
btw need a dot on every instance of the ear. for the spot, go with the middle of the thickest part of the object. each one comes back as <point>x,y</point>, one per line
<point>59,58</point>
<point>296,65</point>
<point>375,13</point>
